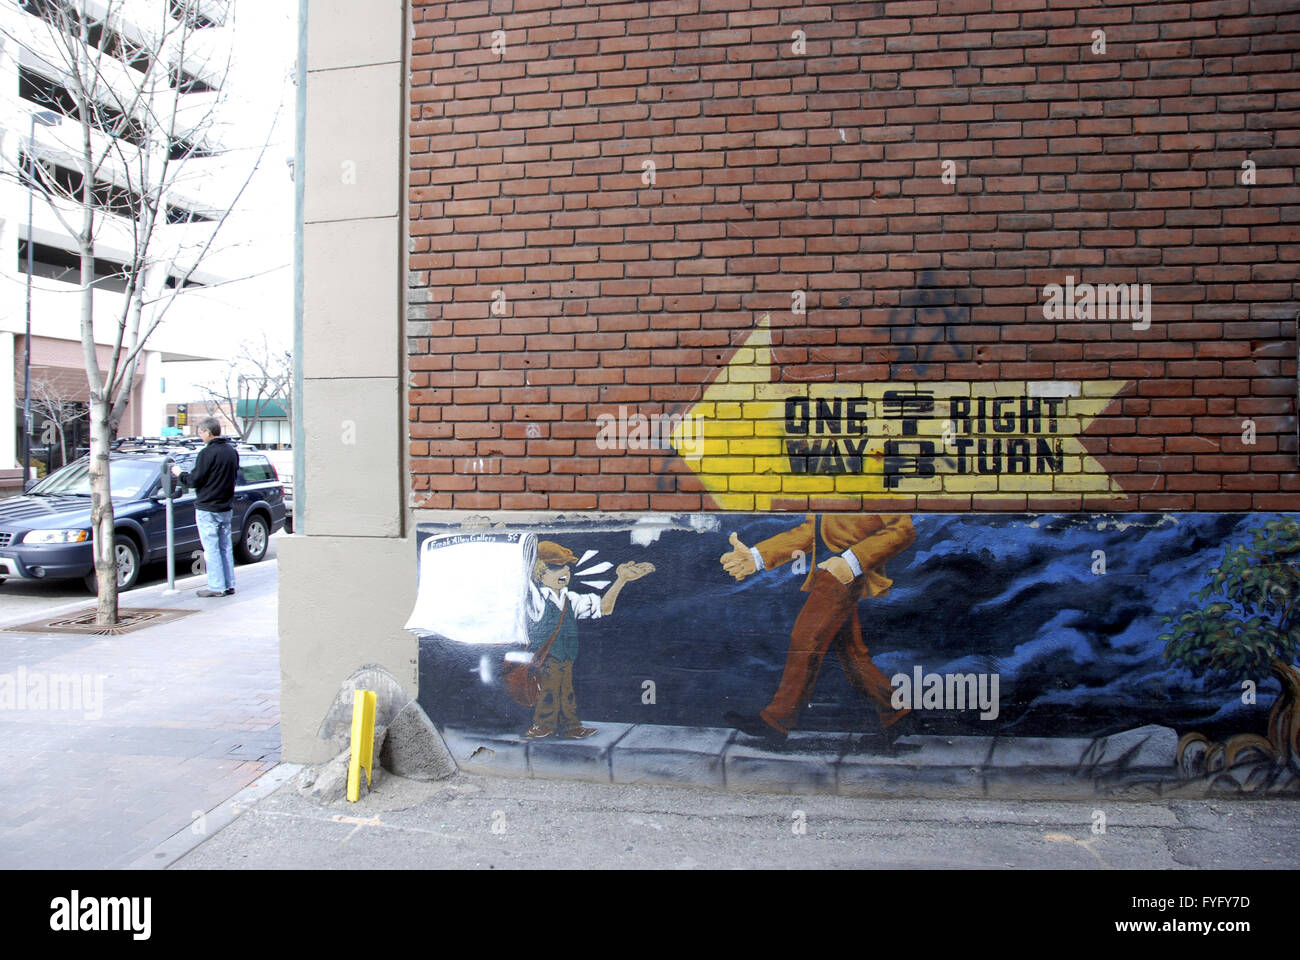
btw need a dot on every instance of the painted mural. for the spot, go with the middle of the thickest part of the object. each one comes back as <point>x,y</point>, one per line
<point>887,629</point>
<point>755,441</point>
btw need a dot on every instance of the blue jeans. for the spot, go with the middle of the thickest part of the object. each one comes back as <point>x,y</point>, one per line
<point>218,553</point>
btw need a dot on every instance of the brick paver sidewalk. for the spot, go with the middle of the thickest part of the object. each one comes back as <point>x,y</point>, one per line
<point>180,717</point>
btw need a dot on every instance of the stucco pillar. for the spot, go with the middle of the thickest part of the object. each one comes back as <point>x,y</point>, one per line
<point>347,576</point>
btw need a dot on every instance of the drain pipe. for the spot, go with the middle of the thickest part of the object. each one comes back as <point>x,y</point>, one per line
<point>299,211</point>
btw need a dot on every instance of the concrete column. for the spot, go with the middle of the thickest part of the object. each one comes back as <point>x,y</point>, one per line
<point>8,397</point>
<point>153,411</point>
<point>347,576</point>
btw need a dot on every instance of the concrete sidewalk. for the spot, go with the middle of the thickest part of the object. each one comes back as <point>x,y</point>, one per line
<point>623,803</point>
<point>481,822</point>
<point>189,715</point>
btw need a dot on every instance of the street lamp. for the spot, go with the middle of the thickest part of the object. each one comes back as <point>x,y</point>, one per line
<point>46,118</point>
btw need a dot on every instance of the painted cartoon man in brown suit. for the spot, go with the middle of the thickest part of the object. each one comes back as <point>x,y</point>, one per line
<point>855,548</point>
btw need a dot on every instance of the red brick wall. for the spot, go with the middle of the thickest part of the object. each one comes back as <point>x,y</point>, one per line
<point>822,172</point>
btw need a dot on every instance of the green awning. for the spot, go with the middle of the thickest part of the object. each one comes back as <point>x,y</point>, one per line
<point>263,409</point>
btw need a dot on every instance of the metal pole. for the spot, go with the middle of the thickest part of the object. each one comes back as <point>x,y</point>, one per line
<point>168,489</point>
<point>27,339</point>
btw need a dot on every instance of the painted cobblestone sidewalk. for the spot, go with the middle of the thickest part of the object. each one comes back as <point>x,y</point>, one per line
<point>189,715</point>
<point>1134,763</point>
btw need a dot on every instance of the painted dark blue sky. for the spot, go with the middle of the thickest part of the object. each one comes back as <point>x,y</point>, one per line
<point>1076,653</point>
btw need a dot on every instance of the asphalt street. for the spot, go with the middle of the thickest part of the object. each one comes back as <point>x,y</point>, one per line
<point>18,597</point>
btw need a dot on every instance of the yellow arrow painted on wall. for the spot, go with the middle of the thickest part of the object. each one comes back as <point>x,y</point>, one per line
<point>752,440</point>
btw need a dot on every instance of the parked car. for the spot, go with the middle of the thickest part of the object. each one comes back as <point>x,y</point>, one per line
<point>46,533</point>
<point>282,460</point>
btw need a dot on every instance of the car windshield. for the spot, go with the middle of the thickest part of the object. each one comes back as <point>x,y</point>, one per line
<point>130,478</point>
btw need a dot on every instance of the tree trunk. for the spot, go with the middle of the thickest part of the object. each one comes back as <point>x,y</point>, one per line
<point>1284,718</point>
<point>101,513</point>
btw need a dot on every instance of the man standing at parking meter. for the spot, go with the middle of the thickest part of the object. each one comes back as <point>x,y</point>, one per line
<point>216,470</point>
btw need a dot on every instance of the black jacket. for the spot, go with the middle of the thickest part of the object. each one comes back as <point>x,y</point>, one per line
<point>216,469</point>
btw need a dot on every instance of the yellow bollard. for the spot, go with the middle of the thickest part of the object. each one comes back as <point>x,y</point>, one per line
<point>364,703</point>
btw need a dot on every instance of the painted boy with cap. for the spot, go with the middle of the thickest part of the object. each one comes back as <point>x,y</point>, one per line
<point>554,613</point>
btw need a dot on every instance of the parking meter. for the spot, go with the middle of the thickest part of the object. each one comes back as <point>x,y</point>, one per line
<point>166,479</point>
<point>169,494</point>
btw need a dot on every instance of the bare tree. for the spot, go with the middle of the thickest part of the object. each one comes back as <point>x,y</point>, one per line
<point>50,399</point>
<point>257,380</point>
<point>129,84</point>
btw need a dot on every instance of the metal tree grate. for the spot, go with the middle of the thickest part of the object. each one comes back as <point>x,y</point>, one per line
<point>83,622</point>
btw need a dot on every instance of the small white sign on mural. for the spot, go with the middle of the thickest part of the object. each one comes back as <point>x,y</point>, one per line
<point>473,587</point>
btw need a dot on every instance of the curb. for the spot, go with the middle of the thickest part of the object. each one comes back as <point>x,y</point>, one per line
<point>215,820</point>
<point>158,590</point>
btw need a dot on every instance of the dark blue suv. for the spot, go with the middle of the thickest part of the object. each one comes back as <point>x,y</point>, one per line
<point>46,534</point>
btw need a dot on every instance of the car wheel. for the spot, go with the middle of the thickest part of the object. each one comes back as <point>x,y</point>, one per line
<point>288,527</point>
<point>127,559</point>
<point>252,545</point>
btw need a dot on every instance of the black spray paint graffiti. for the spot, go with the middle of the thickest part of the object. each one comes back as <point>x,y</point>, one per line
<point>925,323</point>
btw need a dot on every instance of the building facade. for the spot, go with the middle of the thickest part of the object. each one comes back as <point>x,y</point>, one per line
<point>267,420</point>
<point>36,127</point>
<point>958,338</point>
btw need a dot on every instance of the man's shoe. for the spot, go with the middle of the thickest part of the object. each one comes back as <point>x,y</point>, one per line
<point>897,724</point>
<point>210,593</point>
<point>753,726</point>
<point>230,592</point>
<point>579,733</point>
<point>889,718</point>
<point>537,733</point>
